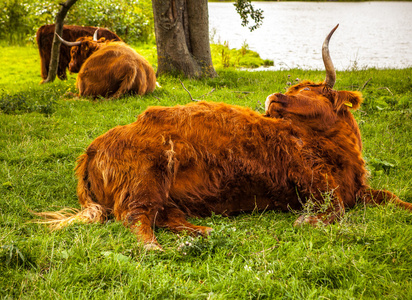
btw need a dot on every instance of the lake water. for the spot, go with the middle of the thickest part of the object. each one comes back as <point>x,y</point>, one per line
<point>370,34</point>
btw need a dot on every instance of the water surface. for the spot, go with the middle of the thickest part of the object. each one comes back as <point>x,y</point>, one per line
<point>370,34</point>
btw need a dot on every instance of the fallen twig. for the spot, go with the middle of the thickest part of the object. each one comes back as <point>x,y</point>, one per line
<point>191,98</point>
<point>385,88</point>
<point>242,92</point>
<point>365,84</point>
<point>208,93</point>
<point>264,250</point>
<point>270,248</point>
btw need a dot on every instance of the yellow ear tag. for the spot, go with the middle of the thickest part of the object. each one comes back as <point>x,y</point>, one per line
<point>348,104</point>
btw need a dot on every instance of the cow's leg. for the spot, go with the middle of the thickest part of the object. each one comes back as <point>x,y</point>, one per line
<point>379,197</point>
<point>142,226</point>
<point>328,206</point>
<point>174,219</point>
<point>138,207</point>
<point>127,81</point>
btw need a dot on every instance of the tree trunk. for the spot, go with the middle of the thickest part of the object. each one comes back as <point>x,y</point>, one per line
<point>182,37</point>
<point>54,61</point>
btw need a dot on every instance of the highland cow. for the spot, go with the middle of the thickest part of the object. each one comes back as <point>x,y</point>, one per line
<point>203,158</point>
<point>109,69</point>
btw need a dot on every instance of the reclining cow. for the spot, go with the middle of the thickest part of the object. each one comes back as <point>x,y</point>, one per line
<point>44,37</point>
<point>109,69</point>
<point>204,158</point>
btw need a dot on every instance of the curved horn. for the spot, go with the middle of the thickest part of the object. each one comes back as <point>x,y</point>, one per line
<point>69,44</point>
<point>330,69</point>
<point>95,35</point>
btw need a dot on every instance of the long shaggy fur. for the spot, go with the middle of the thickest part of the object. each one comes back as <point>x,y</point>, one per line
<point>204,158</point>
<point>110,69</point>
<point>58,219</point>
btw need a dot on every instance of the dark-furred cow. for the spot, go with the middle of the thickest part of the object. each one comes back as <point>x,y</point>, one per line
<point>204,158</point>
<point>109,69</point>
<point>45,35</point>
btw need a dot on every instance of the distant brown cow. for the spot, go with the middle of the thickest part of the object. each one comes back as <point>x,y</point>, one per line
<point>205,158</point>
<point>109,69</point>
<point>45,36</point>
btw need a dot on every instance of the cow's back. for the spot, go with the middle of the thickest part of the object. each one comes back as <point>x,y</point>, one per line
<point>202,149</point>
<point>238,140</point>
<point>106,70</point>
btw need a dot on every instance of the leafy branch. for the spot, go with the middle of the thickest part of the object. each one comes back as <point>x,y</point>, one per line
<point>245,9</point>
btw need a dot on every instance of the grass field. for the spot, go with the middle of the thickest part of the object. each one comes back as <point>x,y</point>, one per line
<point>366,255</point>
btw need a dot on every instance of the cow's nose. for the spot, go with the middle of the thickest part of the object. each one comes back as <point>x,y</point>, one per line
<point>267,102</point>
<point>277,97</point>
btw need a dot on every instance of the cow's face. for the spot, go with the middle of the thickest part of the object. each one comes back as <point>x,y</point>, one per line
<point>315,105</point>
<point>80,53</point>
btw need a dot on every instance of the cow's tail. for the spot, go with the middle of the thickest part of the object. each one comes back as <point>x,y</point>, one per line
<point>380,197</point>
<point>91,211</point>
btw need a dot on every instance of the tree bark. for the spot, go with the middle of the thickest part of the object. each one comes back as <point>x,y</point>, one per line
<point>54,61</point>
<point>182,37</point>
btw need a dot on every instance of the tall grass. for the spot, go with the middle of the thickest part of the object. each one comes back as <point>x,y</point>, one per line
<point>252,256</point>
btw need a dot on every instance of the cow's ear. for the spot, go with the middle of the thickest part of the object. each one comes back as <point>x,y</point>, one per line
<point>349,99</point>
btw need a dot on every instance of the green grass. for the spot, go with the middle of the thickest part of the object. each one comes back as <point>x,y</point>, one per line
<point>261,255</point>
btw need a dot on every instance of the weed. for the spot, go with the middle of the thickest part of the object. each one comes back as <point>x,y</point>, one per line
<point>23,102</point>
<point>244,48</point>
<point>12,253</point>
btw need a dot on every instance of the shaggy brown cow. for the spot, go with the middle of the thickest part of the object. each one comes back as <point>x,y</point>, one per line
<point>45,36</point>
<point>109,69</point>
<point>205,158</point>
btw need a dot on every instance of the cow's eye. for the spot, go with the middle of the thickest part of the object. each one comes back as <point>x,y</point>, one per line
<point>306,89</point>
